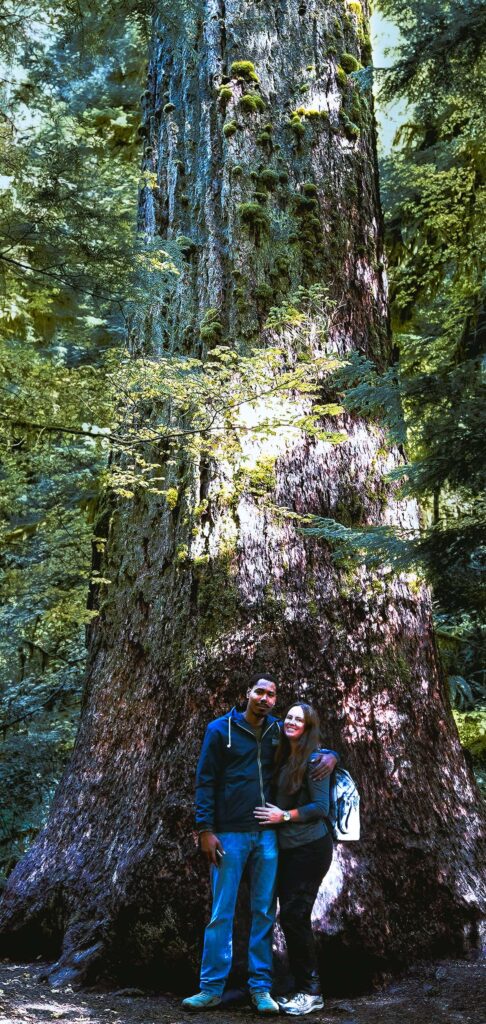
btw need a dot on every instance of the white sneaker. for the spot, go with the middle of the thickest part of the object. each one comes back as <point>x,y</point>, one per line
<point>301,1004</point>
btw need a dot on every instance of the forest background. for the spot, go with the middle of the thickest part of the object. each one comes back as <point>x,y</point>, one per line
<point>76,281</point>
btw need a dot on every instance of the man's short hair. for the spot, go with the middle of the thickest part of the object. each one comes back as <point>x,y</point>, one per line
<point>267,676</point>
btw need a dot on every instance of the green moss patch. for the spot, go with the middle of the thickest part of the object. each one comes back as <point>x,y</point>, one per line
<point>211,328</point>
<point>225,94</point>
<point>229,129</point>
<point>296,126</point>
<point>264,295</point>
<point>356,8</point>
<point>366,49</point>
<point>471,726</point>
<point>254,216</point>
<point>313,114</point>
<point>251,103</point>
<point>244,69</point>
<point>217,595</point>
<point>282,265</point>
<point>306,208</point>
<point>349,63</point>
<point>269,178</point>
<point>351,130</point>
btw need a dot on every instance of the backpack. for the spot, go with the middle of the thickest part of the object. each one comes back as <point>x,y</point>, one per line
<point>343,817</point>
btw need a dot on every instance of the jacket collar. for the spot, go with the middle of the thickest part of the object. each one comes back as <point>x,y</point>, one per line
<point>238,717</point>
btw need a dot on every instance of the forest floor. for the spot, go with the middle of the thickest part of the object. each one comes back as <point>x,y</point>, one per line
<point>446,992</point>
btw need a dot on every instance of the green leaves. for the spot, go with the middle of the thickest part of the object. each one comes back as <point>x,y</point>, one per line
<point>70,155</point>
<point>372,394</point>
<point>380,547</point>
<point>434,189</point>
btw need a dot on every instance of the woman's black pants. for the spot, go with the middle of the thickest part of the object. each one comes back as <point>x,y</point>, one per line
<point>300,873</point>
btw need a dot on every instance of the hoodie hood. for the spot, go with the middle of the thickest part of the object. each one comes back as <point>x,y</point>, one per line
<point>235,717</point>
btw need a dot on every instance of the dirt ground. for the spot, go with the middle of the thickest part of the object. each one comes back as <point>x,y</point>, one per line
<point>447,992</point>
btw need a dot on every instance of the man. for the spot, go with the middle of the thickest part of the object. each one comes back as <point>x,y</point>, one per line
<point>234,776</point>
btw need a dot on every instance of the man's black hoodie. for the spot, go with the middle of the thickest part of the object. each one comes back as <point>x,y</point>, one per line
<point>234,773</point>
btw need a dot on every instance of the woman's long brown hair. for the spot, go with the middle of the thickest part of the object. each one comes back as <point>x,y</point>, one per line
<point>290,768</point>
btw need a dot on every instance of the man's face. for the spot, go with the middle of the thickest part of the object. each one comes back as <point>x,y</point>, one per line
<point>261,698</point>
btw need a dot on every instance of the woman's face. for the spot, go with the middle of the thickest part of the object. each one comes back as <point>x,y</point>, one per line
<point>294,724</point>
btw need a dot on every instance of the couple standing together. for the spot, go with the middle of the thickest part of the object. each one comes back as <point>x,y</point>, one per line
<point>248,759</point>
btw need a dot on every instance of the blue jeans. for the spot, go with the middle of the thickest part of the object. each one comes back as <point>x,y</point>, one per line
<point>261,851</point>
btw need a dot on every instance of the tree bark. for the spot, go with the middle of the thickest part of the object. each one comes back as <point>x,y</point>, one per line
<point>114,885</point>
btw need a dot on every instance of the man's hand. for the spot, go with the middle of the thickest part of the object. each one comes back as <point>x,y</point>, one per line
<point>322,765</point>
<point>212,848</point>
<point>268,815</point>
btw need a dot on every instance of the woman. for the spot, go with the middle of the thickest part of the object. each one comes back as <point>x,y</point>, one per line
<point>305,850</point>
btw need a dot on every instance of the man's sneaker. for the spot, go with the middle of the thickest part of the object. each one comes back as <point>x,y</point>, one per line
<point>202,1001</point>
<point>303,1003</point>
<point>263,1002</point>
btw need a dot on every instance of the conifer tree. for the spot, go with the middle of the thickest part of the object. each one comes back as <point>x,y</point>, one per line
<point>260,148</point>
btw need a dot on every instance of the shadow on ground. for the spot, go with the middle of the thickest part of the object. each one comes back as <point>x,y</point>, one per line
<point>449,992</point>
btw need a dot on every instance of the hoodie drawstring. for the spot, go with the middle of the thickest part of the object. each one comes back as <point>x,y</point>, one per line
<point>229,732</point>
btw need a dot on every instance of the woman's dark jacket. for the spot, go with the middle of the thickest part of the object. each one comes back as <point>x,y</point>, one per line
<point>312,801</point>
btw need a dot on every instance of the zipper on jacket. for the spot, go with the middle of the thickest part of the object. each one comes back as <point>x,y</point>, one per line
<point>259,750</point>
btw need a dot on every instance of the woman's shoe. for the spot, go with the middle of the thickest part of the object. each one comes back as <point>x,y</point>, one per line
<point>302,1003</point>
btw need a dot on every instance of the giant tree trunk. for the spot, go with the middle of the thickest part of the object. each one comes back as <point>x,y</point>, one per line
<point>114,883</point>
